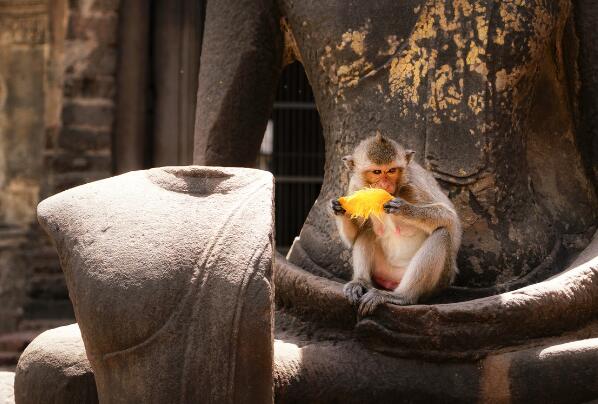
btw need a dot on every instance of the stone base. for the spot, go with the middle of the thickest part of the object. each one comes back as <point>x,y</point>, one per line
<point>560,370</point>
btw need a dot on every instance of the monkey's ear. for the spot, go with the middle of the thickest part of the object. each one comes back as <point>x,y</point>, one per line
<point>409,155</point>
<point>349,163</point>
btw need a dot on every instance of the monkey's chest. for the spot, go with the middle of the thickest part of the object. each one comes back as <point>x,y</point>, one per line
<point>399,240</point>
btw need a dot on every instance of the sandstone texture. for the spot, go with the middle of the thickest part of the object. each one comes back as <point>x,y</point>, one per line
<point>169,274</point>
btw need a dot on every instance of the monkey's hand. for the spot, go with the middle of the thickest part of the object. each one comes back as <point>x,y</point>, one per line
<point>375,297</point>
<point>354,290</point>
<point>337,209</point>
<point>393,207</point>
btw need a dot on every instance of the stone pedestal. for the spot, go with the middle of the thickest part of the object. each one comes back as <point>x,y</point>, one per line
<point>169,274</point>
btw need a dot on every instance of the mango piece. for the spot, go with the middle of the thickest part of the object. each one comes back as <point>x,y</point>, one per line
<point>365,202</point>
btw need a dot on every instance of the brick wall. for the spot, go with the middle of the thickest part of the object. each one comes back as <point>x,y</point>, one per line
<point>80,151</point>
<point>78,147</point>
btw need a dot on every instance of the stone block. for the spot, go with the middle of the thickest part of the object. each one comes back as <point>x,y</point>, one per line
<point>90,86</point>
<point>100,115</point>
<point>84,139</point>
<point>102,61</point>
<point>101,29</point>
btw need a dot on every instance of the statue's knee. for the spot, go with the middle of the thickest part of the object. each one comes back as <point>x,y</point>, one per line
<point>54,369</point>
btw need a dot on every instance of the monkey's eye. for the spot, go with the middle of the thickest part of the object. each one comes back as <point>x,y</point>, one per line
<point>377,172</point>
<point>392,170</point>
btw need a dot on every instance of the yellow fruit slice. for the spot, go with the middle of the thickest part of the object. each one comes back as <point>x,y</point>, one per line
<point>365,202</point>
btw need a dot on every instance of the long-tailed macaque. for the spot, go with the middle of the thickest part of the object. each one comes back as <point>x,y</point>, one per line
<point>410,251</point>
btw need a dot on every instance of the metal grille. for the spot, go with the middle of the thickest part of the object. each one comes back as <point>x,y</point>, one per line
<point>293,150</point>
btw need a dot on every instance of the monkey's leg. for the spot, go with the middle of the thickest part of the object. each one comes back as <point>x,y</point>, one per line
<point>364,249</point>
<point>430,268</point>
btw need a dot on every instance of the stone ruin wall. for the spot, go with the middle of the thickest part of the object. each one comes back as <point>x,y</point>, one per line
<point>58,61</point>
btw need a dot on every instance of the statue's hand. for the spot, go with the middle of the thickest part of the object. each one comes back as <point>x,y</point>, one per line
<point>375,297</point>
<point>336,207</point>
<point>354,290</point>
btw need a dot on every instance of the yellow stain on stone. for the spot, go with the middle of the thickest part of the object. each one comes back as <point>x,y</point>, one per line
<point>405,73</point>
<point>357,42</point>
<point>510,16</point>
<point>499,37</point>
<point>459,41</point>
<point>463,7</point>
<point>408,70</point>
<point>393,45</point>
<point>475,102</point>
<point>349,74</point>
<point>482,28</point>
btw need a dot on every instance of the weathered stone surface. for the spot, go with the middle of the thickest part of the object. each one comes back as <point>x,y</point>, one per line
<point>180,260</point>
<point>54,369</point>
<point>7,395</point>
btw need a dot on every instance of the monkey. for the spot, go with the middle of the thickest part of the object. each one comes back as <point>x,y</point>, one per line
<point>408,253</point>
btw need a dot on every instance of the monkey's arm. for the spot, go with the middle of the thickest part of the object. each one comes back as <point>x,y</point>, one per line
<point>347,228</point>
<point>241,60</point>
<point>427,216</point>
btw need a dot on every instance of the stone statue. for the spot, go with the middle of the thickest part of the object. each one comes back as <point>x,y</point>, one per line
<point>487,93</point>
<point>160,266</point>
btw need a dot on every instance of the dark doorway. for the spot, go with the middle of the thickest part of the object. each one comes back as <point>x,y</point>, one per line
<point>293,150</point>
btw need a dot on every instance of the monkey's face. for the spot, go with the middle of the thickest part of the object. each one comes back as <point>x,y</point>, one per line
<point>383,176</point>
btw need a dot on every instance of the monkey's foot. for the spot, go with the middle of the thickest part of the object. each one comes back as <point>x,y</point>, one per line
<point>354,290</point>
<point>336,207</point>
<point>393,206</point>
<point>375,297</point>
